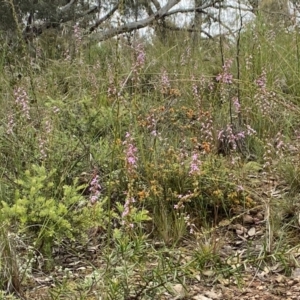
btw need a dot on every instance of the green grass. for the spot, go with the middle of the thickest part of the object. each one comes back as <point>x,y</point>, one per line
<point>159,143</point>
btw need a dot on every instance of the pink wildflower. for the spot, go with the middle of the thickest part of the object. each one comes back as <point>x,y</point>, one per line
<point>250,130</point>
<point>262,80</point>
<point>22,100</point>
<point>195,164</point>
<point>127,206</point>
<point>226,76</point>
<point>165,82</point>
<point>95,189</point>
<point>130,153</point>
<point>10,124</point>
<point>42,148</point>
<point>78,36</point>
<point>141,56</point>
<point>236,104</point>
<point>240,188</point>
<point>190,226</point>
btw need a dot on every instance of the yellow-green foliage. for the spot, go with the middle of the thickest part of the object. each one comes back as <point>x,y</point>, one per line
<point>41,208</point>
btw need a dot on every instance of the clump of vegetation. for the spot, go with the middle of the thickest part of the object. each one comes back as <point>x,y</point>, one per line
<point>143,162</point>
<point>47,214</point>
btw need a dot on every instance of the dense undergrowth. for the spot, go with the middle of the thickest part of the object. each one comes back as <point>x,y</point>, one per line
<point>152,147</point>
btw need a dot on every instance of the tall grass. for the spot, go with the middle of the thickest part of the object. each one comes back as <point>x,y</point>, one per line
<point>151,144</point>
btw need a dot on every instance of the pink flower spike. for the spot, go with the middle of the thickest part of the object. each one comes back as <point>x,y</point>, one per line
<point>95,189</point>
<point>130,153</point>
<point>195,164</point>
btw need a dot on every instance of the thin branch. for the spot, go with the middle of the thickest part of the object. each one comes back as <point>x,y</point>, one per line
<point>202,10</point>
<point>104,18</point>
<point>165,9</point>
<point>189,29</point>
<point>238,53</point>
<point>156,4</point>
<point>193,9</point>
<point>47,25</point>
<point>149,9</point>
<point>67,6</point>
<point>92,10</point>
<point>207,34</point>
<point>218,20</point>
<point>234,7</point>
<point>81,15</point>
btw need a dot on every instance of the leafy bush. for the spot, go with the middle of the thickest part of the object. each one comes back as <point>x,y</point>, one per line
<point>47,213</point>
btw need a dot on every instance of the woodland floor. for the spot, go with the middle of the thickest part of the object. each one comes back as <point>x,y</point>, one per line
<point>252,282</point>
<point>239,242</point>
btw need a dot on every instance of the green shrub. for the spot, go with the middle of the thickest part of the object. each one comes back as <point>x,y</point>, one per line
<point>47,213</point>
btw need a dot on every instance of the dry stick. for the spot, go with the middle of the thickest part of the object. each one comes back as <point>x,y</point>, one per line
<point>220,38</point>
<point>297,46</point>
<point>268,225</point>
<point>238,50</point>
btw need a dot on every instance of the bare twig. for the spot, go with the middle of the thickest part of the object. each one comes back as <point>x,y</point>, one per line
<point>192,9</point>
<point>104,18</point>
<point>189,29</point>
<point>67,6</point>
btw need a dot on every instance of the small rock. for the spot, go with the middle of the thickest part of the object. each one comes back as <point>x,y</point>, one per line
<point>208,273</point>
<point>259,216</point>
<point>211,295</point>
<point>279,278</point>
<point>247,219</point>
<point>179,291</point>
<point>239,232</point>
<point>252,231</point>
